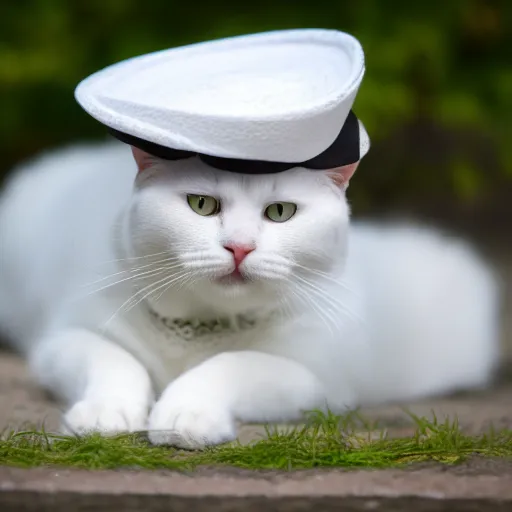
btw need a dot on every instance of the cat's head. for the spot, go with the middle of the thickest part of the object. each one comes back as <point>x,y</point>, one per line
<point>234,241</point>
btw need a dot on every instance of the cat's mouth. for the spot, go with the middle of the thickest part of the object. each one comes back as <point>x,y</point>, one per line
<point>235,277</point>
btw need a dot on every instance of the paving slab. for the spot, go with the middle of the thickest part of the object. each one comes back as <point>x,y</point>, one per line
<point>427,489</point>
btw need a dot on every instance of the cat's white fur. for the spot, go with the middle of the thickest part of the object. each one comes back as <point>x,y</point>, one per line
<point>367,315</point>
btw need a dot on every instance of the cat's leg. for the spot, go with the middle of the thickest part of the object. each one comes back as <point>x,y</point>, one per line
<point>201,406</point>
<point>106,388</point>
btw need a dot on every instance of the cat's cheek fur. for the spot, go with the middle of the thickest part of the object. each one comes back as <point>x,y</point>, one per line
<point>202,406</point>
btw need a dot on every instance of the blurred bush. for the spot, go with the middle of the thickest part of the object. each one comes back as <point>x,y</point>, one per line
<point>436,100</point>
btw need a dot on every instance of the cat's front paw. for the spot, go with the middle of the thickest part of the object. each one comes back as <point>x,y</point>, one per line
<point>106,418</point>
<point>191,424</point>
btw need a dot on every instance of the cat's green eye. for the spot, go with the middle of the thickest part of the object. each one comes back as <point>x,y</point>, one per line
<point>203,205</point>
<point>280,212</point>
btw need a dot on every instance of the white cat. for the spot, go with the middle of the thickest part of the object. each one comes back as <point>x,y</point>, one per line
<point>199,298</point>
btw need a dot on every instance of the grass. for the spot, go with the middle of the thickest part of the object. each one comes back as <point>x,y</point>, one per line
<point>325,441</point>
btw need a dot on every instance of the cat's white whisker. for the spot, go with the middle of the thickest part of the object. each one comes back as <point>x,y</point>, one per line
<point>287,306</point>
<point>326,276</point>
<point>135,277</point>
<point>180,284</point>
<point>325,309</point>
<point>132,297</point>
<point>183,277</point>
<point>132,258</point>
<point>146,274</point>
<point>269,274</point>
<point>188,280</point>
<point>129,270</point>
<point>166,285</point>
<point>205,263</point>
<point>307,300</point>
<point>329,299</point>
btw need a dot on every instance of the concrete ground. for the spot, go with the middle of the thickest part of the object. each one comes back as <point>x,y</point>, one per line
<point>476,485</point>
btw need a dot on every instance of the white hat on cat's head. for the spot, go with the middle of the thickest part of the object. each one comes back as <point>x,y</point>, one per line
<point>256,103</point>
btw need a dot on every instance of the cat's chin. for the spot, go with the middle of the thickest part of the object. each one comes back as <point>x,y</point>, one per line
<point>245,290</point>
<point>234,286</point>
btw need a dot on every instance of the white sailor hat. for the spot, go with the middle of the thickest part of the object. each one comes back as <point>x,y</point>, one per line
<point>258,103</point>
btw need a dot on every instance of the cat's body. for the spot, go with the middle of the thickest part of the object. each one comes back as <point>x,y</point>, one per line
<point>406,314</point>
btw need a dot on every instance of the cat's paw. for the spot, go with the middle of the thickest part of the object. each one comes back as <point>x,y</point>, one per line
<point>104,417</point>
<point>191,424</point>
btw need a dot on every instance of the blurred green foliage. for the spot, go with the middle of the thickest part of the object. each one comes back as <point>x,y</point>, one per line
<point>436,100</point>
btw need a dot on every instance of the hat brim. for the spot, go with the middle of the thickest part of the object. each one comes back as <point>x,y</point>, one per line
<point>351,144</point>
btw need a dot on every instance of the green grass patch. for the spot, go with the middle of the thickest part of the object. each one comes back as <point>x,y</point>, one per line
<point>325,441</point>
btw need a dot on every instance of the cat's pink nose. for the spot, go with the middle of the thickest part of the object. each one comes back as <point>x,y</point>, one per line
<point>239,252</point>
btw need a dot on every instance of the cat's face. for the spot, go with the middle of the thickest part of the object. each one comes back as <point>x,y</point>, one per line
<point>235,241</point>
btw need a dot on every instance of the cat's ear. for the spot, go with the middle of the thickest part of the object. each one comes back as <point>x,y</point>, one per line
<point>341,175</point>
<point>144,160</point>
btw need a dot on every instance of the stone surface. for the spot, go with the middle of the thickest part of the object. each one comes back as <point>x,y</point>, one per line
<point>427,489</point>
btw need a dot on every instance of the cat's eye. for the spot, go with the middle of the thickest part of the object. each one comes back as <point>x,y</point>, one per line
<point>280,212</point>
<point>203,205</point>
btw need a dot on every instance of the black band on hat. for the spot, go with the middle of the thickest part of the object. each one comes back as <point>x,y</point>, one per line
<point>344,150</point>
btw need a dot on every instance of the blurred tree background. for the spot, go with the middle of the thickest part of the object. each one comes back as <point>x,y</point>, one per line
<point>436,99</point>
